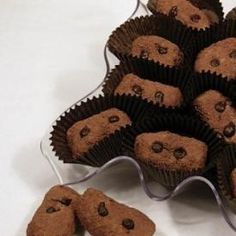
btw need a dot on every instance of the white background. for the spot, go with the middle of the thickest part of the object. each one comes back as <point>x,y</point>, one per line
<point>50,56</point>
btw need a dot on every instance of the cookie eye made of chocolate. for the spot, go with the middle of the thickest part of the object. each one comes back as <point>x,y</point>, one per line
<point>144,54</point>
<point>102,210</point>
<point>173,11</point>
<point>137,90</point>
<point>195,18</point>
<point>159,96</point>
<point>128,224</point>
<point>84,132</point>
<point>157,147</point>
<point>161,50</point>
<point>179,153</point>
<point>215,62</point>
<point>51,210</point>
<point>113,119</point>
<point>229,130</point>
<point>233,54</point>
<point>220,106</point>
<point>65,201</point>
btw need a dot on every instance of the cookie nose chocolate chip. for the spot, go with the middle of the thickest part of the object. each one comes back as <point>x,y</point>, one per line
<point>65,201</point>
<point>214,62</point>
<point>137,89</point>
<point>162,50</point>
<point>144,54</point>
<point>220,106</point>
<point>102,210</point>
<point>195,18</point>
<point>173,11</point>
<point>51,210</point>
<point>84,132</point>
<point>157,147</point>
<point>233,54</point>
<point>229,130</point>
<point>180,153</point>
<point>128,223</point>
<point>113,119</point>
<point>159,96</point>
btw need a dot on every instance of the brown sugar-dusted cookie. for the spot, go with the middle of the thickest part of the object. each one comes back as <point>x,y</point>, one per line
<point>56,215</point>
<point>152,91</point>
<point>219,58</point>
<point>218,112</point>
<point>102,216</point>
<point>84,134</point>
<point>186,12</point>
<point>233,181</point>
<point>171,150</point>
<point>158,49</point>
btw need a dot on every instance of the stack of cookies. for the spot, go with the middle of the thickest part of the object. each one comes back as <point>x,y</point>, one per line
<point>170,104</point>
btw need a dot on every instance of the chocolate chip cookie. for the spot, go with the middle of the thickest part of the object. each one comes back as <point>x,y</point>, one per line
<point>157,49</point>
<point>219,58</point>
<point>101,215</point>
<point>170,150</point>
<point>218,112</point>
<point>186,12</point>
<point>56,215</point>
<point>156,92</point>
<point>84,134</point>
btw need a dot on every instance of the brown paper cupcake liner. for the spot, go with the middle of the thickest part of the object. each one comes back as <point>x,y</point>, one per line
<point>221,31</point>
<point>225,164</point>
<point>212,5</point>
<point>148,70</point>
<point>120,42</point>
<point>203,82</point>
<point>105,150</point>
<point>183,125</point>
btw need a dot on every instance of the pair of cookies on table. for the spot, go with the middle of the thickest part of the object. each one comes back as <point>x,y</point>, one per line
<point>63,209</point>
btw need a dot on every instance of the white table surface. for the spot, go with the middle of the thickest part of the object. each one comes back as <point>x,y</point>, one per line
<point>50,56</point>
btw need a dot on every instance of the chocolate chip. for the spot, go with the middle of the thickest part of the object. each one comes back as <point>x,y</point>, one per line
<point>173,11</point>
<point>65,201</point>
<point>113,119</point>
<point>144,54</point>
<point>162,50</point>
<point>159,96</point>
<point>157,147</point>
<point>180,153</point>
<point>220,106</point>
<point>128,223</point>
<point>51,210</point>
<point>137,89</point>
<point>195,18</point>
<point>233,54</point>
<point>229,130</point>
<point>102,210</point>
<point>214,62</point>
<point>84,132</point>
